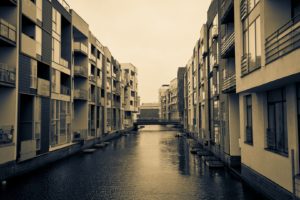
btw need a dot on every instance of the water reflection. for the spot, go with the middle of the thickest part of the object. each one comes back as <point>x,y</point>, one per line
<point>152,164</point>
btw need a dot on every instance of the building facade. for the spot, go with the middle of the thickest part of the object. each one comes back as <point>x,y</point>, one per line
<point>59,86</point>
<point>149,111</point>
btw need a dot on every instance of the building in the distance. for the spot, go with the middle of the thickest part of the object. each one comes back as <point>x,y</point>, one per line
<point>173,100</point>
<point>149,111</point>
<point>163,101</point>
<point>130,101</point>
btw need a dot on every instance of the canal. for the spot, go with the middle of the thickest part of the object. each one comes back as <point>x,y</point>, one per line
<point>152,164</point>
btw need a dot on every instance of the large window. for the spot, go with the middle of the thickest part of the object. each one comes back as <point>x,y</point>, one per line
<point>277,136</point>
<point>252,4</point>
<point>38,39</point>
<point>248,106</point>
<point>37,122</point>
<point>252,43</point>
<point>56,34</point>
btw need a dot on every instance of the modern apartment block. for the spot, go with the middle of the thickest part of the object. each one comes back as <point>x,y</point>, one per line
<point>59,86</point>
<point>242,92</point>
<point>149,111</point>
<point>180,92</point>
<point>163,101</point>
<point>130,102</point>
<point>173,100</point>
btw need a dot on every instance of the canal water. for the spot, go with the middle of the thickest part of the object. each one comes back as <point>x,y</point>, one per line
<point>152,164</point>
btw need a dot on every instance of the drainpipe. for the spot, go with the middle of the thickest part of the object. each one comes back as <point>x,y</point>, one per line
<point>293,173</point>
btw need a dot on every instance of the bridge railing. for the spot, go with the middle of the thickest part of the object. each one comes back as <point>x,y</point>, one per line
<point>158,121</point>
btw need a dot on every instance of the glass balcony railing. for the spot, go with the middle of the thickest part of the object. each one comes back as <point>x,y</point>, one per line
<point>284,40</point>
<point>80,71</point>
<point>7,75</point>
<point>7,31</point>
<point>80,47</point>
<point>80,94</point>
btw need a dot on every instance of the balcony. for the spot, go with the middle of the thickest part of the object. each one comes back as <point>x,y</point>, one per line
<point>226,10</point>
<point>93,78</point>
<point>244,9</point>
<point>65,90</point>
<point>229,84</point>
<point>6,134</point>
<point>283,41</point>
<point>29,9</point>
<point>64,63</point>
<point>80,71</point>
<point>7,32</point>
<point>43,87</point>
<point>28,45</point>
<point>93,58</point>
<point>7,76</point>
<point>227,48</point>
<point>92,97</point>
<point>80,48</point>
<point>80,94</point>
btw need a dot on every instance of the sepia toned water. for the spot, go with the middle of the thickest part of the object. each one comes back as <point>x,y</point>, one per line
<point>152,164</point>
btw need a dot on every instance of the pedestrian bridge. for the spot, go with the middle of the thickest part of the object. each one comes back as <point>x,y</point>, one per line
<point>156,122</point>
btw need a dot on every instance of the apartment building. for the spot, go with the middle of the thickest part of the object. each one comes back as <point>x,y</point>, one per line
<point>267,80</point>
<point>173,100</point>
<point>130,90</point>
<point>180,92</point>
<point>60,88</point>
<point>9,70</point>
<point>163,101</point>
<point>45,85</point>
<point>149,111</point>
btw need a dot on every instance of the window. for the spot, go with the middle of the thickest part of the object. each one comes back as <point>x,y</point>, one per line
<point>252,43</point>
<point>55,51</point>
<point>248,135</point>
<point>38,38</point>
<point>277,138</point>
<point>252,4</point>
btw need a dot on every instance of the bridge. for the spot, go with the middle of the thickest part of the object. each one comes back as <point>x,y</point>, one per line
<point>141,122</point>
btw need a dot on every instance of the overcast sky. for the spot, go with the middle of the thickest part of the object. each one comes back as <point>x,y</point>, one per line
<point>157,36</point>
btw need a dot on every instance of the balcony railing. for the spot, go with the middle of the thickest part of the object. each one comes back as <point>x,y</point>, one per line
<point>93,78</point>
<point>7,31</point>
<point>227,45</point>
<point>80,47</point>
<point>65,90</point>
<point>229,83</point>
<point>6,134</point>
<point>80,94</point>
<point>7,75</point>
<point>249,135</point>
<point>80,71</point>
<point>64,63</point>
<point>43,87</point>
<point>92,97</point>
<point>284,40</point>
<point>244,65</point>
<point>244,9</point>
<point>93,58</point>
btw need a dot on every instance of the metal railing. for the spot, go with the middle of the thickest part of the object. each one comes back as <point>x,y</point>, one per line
<point>92,97</point>
<point>244,9</point>
<point>80,94</point>
<point>6,134</point>
<point>7,75</point>
<point>92,78</point>
<point>244,65</point>
<point>229,83</point>
<point>65,90</point>
<point>227,43</point>
<point>7,30</point>
<point>80,71</point>
<point>284,40</point>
